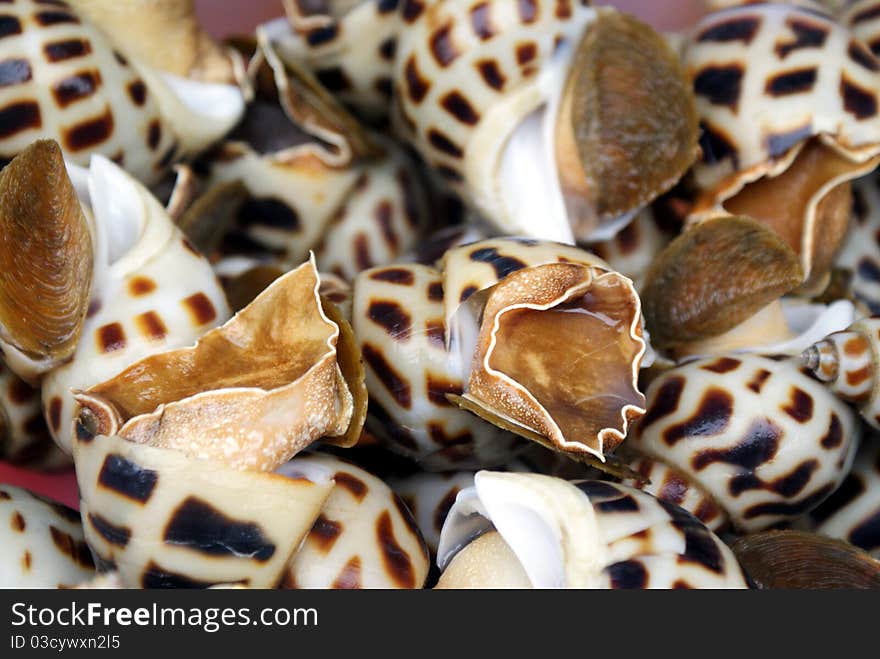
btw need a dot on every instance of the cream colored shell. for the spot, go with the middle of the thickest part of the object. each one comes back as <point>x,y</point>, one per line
<point>397,316</point>
<point>24,437</point>
<point>765,441</point>
<point>467,74</point>
<point>349,47</point>
<point>852,513</point>
<point>860,253</point>
<point>41,543</point>
<point>766,78</point>
<point>63,80</point>
<point>364,537</point>
<point>166,521</point>
<point>152,292</point>
<point>590,534</point>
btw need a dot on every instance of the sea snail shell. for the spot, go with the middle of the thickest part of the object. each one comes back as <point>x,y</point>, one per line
<point>520,108</point>
<point>852,513</point>
<point>348,46</point>
<point>152,291</point>
<point>468,322</point>
<point>551,533</point>
<point>364,537</point>
<point>751,435</point>
<point>41,543</point>
<point>788,111</point>
<point>847,362</point>
<point>63,80</point>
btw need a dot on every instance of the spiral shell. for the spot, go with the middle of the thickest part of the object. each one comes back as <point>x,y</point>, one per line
<point>348,46</point>
<point>63,80</point>
<point>852,513</point>
<point>504,101</point>
<point>152,291</point>
<point>364,537</point>
<point>430,497</point>
<point>24,437</point>
<point>788,109</point>
<point>479,361</point>
<point>358,202</point>
<point>753,434</point>
<point>397,317</point>
<point>163,520</point>
<point>41,543</point>
<point>586,534</point>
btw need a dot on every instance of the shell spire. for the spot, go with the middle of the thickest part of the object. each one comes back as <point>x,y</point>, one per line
<point>847,363</point>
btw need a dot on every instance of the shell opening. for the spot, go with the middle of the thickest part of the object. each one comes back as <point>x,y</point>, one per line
<point>529,176</point>
<point>565,365</point>
<point>548,523</point>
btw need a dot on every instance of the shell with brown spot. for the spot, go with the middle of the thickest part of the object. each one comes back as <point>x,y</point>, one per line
<point>397,316</point>
<point>461,329</point>
<point>165,520</point>
<point>430,496</point>
<point>364,537</point>
<point>752,435</point>
<point>356,200</point>
<point>860,254</point>
<point>848,363</point>
<point>24,437</point>
<point>151,290</point>
<point>64,80</point>
<point>251,393</point>
<point>789,117</point>
<point>535,531</point>
<point>41,543</point>
<point>852,513</point>
<point>553,120</point>
<point>349,46</point>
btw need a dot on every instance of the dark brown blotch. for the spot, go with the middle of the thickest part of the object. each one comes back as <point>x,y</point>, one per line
<point>352,484</point>
<point>90,133</point>
<point>720,85</point>
<point>397,562</point>
<point>200,527</point>
<point>736,29</point>
<point>324,533</point>
<point>58,51</point>
<point>800,407</point>
<point>711,418</point>
<point>110,337</point>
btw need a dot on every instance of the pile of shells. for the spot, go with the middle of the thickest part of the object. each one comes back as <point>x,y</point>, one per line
<point>441,294</point>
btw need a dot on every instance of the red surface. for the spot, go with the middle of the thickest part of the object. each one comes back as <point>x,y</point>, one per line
<point>60,486</point>
<point>223,17</point>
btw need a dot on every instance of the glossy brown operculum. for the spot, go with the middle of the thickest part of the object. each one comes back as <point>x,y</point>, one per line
<point>800,208</point>
<point>713,277</point>
<point>559,352</point>
<point>46,257</point>
<point>627,127</point>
